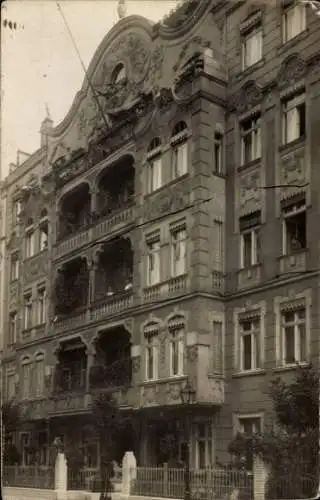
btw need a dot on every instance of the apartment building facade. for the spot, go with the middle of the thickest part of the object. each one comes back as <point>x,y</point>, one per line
<point>172,234</point>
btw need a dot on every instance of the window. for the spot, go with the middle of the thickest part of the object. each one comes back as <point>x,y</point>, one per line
<point>250,139</point>
<point>294,21</point>
<point>203,436</point>
<point>27,312</point>
<point>294,336</point>
<point>119,75</point>
<point>250,426</point>
<point>252,47</point>
<point>26,378</point>
<point>154,168</point>
<point>154,174</point>
<point>217,347</point>
<point>16,211</point>
<point>294,118</point>
<point>39,376</point>
<point>294,228</point>
<point>249,344</point>
<point>43,243</point>
<point>151,358</point>
<point>12,328</point>
<point>10,386</point>
<point>178,252</point>
<point>153,262</point>
<point>217,161</point>
<point>29,242</point>
<point>14,272</point>
<point>217,250</point>
<point>43,447</point>
<point>41,306</point>
<point>250,240</point>
<point>25,453</point>
<point>179,150</point>
<point>176,351</point>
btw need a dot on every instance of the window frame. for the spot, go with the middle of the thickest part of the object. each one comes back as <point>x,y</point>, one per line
<point>255,256</point>
<point>254,132</point>
<point>41,309</point>
<point>303,21</point>
<point>16,212</point>
<point>297,342</point>
<point>39,375</point>
<point>245,37</point>
<point>176,340</point>
<point>175,243</point>
<point>14,266</point>
<point>43,223</point>
<point>153,255</point>
<point>288,105</point>
<point>288,213</point>
<point>154,173</point>
<point>13,336</point>
<point>30,240</point>
<point>255,334</point>
<point>26,385</point>
<point>12,377</point>
<point>208,441</point>
<point>218,153</point>
<point>151,345</point>
<point>27,308</point>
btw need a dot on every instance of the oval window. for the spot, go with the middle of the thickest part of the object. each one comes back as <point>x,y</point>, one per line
<point>119,74</point>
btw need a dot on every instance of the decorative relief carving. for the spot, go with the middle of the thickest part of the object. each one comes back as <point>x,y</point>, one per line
<point>162,336</point>
<point>13,291</point>
<point>136,364</point>
<point>250,192</point>
<point>216,391</point>
<point>249,96</point>
<point>292,69</point>
<point>155,69</point>
<point>173,198</point>
<point>173,393</point>
<point>192,353</point>
<point>293,172</point>
<point>148,396</point>
<point>35,267</point>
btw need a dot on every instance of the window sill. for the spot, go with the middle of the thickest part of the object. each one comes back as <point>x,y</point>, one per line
<point>249,373</point>
<point>166,185</point>
<point>296,39</point>
<point>292,145</point>
<point>163,380</point>
<point>290,367</point>
<point>249,164</point>
<point>246,71</point>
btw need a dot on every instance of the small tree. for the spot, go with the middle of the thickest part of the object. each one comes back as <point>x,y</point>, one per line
<point>290,445</point>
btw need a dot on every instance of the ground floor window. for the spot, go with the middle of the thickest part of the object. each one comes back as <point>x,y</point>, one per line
<point>203,452</point>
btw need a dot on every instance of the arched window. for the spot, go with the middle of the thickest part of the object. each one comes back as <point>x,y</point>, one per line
<point>154,167</point>
<point>179,144</point>
<point>26,372</point>
<point>151,332</point>
<point>39,374</point>
<point>176,327</point>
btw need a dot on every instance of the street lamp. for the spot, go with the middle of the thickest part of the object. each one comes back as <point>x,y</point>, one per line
<point>187,395</point>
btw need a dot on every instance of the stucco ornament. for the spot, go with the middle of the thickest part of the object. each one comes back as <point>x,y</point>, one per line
<point>132,52</point>
<point>249,96</point>
<point>292,69</point>
<point>250,192</point>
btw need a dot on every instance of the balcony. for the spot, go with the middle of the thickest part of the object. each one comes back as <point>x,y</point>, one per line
<point>167,392</point>
<point>71,321</point>
<point>249,276</point>
<point>110,306</point>
<point>114,221</point>
<point>170,288</point>
<point>69,403</point>
<point>294,263</point>
<point>72,243</point>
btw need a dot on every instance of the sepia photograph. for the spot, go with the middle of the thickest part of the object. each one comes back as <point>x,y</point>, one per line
<point>160,250</point>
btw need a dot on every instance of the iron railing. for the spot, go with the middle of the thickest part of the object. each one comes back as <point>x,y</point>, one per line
<point>28,476</point>
<point>205,484</point>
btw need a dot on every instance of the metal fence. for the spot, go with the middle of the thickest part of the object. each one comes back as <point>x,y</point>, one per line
<point>205,483</point>
<point>89,479</point>
<point>28,476</point>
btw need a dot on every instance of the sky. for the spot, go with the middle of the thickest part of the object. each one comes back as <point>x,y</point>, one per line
<point>40,65</point>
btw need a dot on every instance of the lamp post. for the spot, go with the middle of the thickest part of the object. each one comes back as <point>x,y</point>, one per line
<point>187,395</point>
